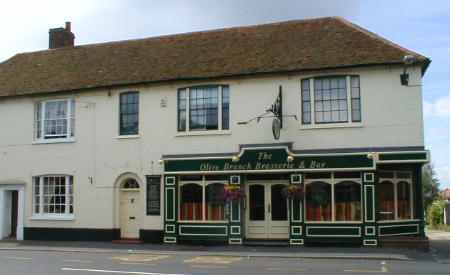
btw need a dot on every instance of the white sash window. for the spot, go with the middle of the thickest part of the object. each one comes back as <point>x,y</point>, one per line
<point>55,120</point>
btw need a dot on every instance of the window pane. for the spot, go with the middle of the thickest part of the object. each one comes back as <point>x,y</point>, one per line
<point>279,203</point>
<point>215,204</point>
<point>385,194</point>
<point>356,100</point>
<point>257,203</point>
<point>191,202</point>
<point>203,108</point>
<point>225,107</point>
<point>55,119</point>
<point>37,120</point>
<point>306,102</point>
<point>55,198</point>
<point>182,110</point>
<point>348,201</point>
<point>318,201</point>
<point>403,201</point>
<point>330,100</point>
<point>129,113</point>
<point>153,195</point>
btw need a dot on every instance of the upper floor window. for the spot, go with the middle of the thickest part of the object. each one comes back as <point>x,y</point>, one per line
<point>203,108</point>
<point>54,119</point>
<point>53,195</point>
<point>334,99</point>
<point>129,114</point>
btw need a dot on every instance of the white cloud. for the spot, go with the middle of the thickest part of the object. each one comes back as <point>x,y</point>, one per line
<point>443,174</point>
<point>438,108</point>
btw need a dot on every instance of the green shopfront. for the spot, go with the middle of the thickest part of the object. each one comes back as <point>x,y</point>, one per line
<point>273,193</point>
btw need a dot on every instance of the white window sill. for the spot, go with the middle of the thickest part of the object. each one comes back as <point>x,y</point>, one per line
<point>128,137</point>
<point>204,133</point>
<point>52,141</point>
<point>52,218</point>
<point>331,126</point>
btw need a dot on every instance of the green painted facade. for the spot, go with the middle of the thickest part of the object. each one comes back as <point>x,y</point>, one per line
<point>367,232</point>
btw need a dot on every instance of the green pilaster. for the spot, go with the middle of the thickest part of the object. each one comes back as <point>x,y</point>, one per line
<point>170,209</point>
<point>235,214</point>
<point>369,230</point>
<point>296,228</point>
<point>418,191</point>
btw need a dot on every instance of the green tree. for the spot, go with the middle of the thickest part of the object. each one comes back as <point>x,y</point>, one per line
<point>435,213</point>
<point>430,185</point>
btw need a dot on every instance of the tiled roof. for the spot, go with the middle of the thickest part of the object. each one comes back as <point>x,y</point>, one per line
<point>272,48</point>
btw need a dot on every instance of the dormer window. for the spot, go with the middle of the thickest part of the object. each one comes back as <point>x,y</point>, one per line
<point>54,120</point>
<point>334,99</point>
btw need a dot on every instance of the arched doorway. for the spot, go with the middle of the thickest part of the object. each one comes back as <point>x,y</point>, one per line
<point>129,209</point>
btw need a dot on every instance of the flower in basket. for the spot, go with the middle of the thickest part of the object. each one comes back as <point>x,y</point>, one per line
<point>233,193</point>
<point>293,192</point>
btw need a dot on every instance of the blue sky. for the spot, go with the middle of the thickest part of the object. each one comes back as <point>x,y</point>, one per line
<point>422,26</point>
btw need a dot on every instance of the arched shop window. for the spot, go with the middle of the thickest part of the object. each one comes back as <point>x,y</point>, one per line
<point>201,199</point>
<point>191,203</point>
<point>385,191</point>
<point>395,195</point>
<point>347,198</point>
<point>318,201</point>
<point>215,204</point>
<point>404,200</point>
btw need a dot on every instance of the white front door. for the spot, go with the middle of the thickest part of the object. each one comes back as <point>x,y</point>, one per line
<point>267,213</point>
<point>129,206</point>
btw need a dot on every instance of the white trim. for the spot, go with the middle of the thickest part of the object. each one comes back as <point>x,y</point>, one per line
<point>373,203</point>
<point>300,181</point>
<point>203,226</point>
<point>239,213</point>
<point>173,207</point>
<point>296,227</point>
<point>170,239</point>
<point>50,217</point>
<point>235,241</point>
<point>203,222</point>
<point>373,230</point>
<point>398,225</point>
<point>331,125</point>
<point>426,160</point>
<point>296,242</point>
<point>203,133</point>
<point>343,236</point>
<point>235,177</point>
<point>167,181</point>
<point>128,136</point>
<point>238,227</point>
<point>399,221</point>
<point>167,228</point>
<point>53,141</point>
<point>370,242</point>
<point>372,180</point>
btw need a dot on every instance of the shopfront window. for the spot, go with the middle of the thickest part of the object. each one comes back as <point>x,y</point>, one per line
<point>394,192</point>
<point>215,204</point>
<point>202,200</point>
<point>347,196</point>
<point>404,200</point>
<point>318,201</point>
<point>191,202</point>
<point>333,197</point>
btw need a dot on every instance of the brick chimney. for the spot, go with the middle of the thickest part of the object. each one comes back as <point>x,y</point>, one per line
<point>61,37</point>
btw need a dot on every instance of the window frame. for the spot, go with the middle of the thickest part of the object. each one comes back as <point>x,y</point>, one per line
<point>40,119</point>
<point>220,110</point>
<point>69,186</point>
<point>395,180</point>
<point>120,134</point>
<point>203,183</point>
<point>312,112</point>
<point>332,181</point>
<point>156,182</point>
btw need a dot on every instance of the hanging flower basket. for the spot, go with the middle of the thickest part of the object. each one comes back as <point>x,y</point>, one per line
<point>233,193</point>
<point>293,192</point>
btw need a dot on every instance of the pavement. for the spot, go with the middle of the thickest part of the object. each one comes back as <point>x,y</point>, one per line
<point>79,258</point>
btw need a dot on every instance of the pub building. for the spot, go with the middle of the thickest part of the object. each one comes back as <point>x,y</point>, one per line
<point>297,133</point>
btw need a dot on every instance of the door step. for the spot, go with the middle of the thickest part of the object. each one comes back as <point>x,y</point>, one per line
<point>127,241</point>
<point>267,243</point>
